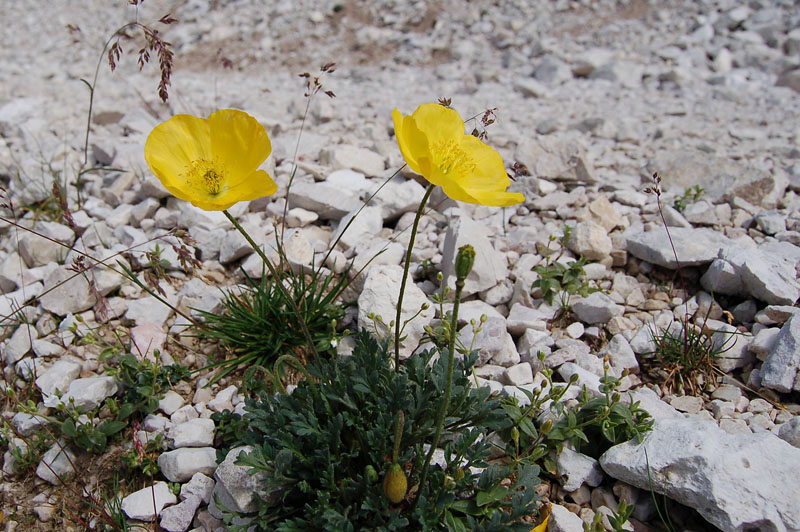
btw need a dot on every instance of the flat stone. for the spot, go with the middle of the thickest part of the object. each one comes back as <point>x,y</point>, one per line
<point>352,157</point>
<point>766,273</point>
<point>687,403</point>
<point>181,464</point>
<point>736,482</point>
<point>19,344</point>
<point>171,402</point>
<point>363,225</point>
<point>66,293</point>
<point>694,247</point>
<point>520,318</point>
<point>147,503</point>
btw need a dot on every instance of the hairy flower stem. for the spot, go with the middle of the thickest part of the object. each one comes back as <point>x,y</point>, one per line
<point>428,192</point>
<point>277,279</point>
<point>448,386</point>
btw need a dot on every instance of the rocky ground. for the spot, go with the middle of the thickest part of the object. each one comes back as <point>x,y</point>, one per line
<point>592,97</point>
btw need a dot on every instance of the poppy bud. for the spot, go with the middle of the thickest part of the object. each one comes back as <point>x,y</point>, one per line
<point>465,259</point>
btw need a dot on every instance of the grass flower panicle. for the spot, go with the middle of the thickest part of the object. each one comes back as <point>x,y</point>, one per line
<point>434,144</point>
<point>211,162</point>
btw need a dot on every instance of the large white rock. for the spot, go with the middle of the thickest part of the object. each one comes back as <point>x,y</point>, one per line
<point>89,392</point>
<point>766,273</point>
<point>737,482</point>
<point>781,369</point>
<point>379,296</point>
<point>490,266</point>
<point>57,464</point>
<point>147,503</point>
<point>364,225</point>
<point>693,246</point>
<point>37,250</point>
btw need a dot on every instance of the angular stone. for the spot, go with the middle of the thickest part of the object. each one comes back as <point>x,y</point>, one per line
<point>736,482</point>
<point>781,369</point>
<point>147,503</point>
<point>36,250</point>
<point>87,393</point>
<point>200,486</point>
<point>492,342</point>
<point>178,518</point>
<point>19,344</point>
<point>181,464</point>
<point>236,489</point>
<point>790,432</point>
<point>520,318</point>
<point>490,266</point>
<point>600,211</point>
<point>518,374</point>
<point>58,377</point>
<point>379,297</point>
<point>352,157</point>
<point>694,247</point>
<point>329,201</point>
<point>198,432</point>
<point>590,240</point>
<point>596,308</point>
<point>66,293</point>
<point>56,464</point>
<point>620,354</point>
<point>365,225</point>
<point>766,273</point>
<point>579,469</point>
<point>559,156</point>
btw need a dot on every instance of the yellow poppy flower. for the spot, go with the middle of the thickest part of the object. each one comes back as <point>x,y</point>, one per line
<point>211,162</point>
<point>433,143</point>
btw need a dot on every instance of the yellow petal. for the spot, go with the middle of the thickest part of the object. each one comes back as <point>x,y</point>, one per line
<point>412,142</point>
<point>542,527</point>
<point>487,182</point>
<point>238,143</point>
<point>173,145</point>
<point>438,123</point>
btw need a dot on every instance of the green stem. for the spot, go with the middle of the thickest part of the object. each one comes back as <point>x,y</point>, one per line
<point>277,280</point>
<point>448,387</point>
<point>405,276</point>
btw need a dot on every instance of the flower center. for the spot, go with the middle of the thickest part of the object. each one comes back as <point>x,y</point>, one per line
<point>451,159</point>
<point>206,175</point>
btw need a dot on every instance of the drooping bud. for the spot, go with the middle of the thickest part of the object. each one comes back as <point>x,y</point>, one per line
<point>395,484</point>
<point>547,426</point>
<point>465,259</point>
<point>515,434</point>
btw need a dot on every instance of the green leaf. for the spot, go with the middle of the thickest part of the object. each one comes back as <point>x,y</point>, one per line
<point>498,493</point>
<point>111,427</point>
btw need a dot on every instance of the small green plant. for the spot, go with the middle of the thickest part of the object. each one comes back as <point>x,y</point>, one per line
<point>143,457</point>
<point>617,519</point>
<point>559,279</point>
<point>592,425</point>
<point>258,325</point>
<point>326,447</point>
<point>686,359</point>
<point>143,384</point>
<point>690,195</point>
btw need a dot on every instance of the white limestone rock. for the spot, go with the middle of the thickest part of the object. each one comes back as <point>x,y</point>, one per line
<point>781,369</point>
<point>181,464</point>
<point>490,266</point>
<point>147,503</point>
<point>736,482</point>
<point>379,297</point>
<point>596,308</point>
<point>578,469</point>
<point>198,432</point>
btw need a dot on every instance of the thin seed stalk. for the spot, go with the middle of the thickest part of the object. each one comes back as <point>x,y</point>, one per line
<point>428,192</point>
